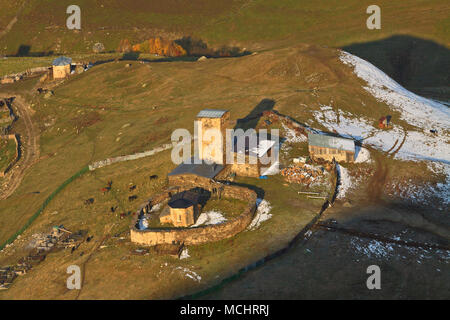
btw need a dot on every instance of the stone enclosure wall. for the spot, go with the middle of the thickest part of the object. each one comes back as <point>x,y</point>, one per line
<point>201,234</point>
<point>11,78</point>
<point>109,161</point>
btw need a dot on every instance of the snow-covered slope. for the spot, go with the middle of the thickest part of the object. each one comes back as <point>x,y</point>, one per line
<point>415,109</point>
<point>424,114</point>
<point>418,144</point>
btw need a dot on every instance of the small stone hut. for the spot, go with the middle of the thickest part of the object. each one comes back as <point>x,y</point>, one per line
<point>183,209</point>
<point>327,147</point>
<point>61,67</point>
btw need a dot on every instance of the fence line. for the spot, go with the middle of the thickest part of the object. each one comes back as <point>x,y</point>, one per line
<point>135,156</point>
<point>25,73</point>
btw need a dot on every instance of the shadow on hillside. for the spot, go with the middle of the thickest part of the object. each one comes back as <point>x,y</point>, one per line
<point>130,56</point>
<point>415,63</point>
<point>260,193</point>
<point>24,50</point>
<point>251,120</point>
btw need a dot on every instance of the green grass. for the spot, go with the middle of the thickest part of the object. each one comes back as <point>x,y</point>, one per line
<point>7,152</point>
<point>41,25</point>
<point>11,65</point>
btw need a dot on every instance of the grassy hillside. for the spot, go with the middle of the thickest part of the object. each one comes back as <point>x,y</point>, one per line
<point>411,47</point>
<point>115,110</point>
<point>7,152</point>
<point>134,109</point>
<point>41,25</point>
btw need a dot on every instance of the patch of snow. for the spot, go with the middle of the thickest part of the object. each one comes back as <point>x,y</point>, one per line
<point>210,217</point>
<point>308,234</point>
<point>378,249</point>
<point>156,207</point>
<point>362,155</point>
<point>416,110</point>
<point>423,113</point>
<point>345,181</point>
<point>418,144</point>
<point>291,136</point>
<point>345,123</point>
<point>374,249</point>
<point>185,254</point>
<point>262,214</point>
<point>189,274</point>
<point>143,224</point>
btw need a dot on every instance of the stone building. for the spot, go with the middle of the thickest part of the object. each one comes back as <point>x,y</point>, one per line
<point>327,147</point>
<point>61,67</point>
<point>183,209</point>
<point>211,158</point>
<point>212,149</point>
<point>253,165</point>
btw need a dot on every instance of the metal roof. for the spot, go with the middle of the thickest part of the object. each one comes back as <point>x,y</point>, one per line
<point>62,61</point>
<point>211,113</point>
<point>202,169</point>
<point>332,142</point>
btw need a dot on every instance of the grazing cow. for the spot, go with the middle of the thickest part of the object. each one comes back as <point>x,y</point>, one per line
<point>89,201</point>
<point>131,198</point>
<point>132,188</point>
<point>153,177</point>
<point>105,190</point>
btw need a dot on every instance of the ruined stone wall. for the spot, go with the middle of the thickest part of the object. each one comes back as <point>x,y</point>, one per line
<point>109,161</point>
<point>11,78</point>
<point>201,234</point>
<point>192,180</point>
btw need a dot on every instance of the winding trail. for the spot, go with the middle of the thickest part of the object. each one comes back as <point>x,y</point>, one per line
<point>29,144</point>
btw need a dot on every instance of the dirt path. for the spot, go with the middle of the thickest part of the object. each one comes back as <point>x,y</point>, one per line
<point>29,140</point>
<point>376,184</point>
<point>378,180</point>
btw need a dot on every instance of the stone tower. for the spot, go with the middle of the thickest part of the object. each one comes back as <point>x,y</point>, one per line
<point>207,148</point>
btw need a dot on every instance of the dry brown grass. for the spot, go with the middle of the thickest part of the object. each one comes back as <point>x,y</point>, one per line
<point>126,124</point>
